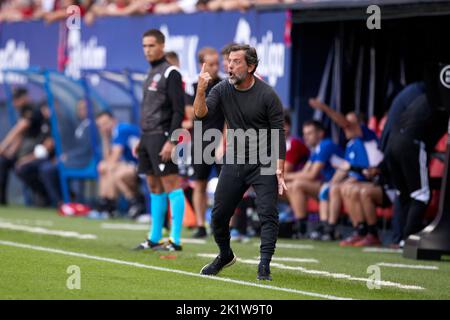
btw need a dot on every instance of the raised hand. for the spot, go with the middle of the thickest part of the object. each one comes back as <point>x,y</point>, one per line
<point>203,79</point>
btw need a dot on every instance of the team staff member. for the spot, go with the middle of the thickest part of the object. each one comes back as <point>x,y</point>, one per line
<point>162,112</point>
<point>247,103</point>
<point>209,57</point>
<point>412,137</point>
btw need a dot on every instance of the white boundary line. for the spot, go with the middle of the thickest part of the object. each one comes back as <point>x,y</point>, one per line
<point>382,250</point>
<point>40,230</point>
<point>407,266</point>
<point>140,265</point>
<point>39,223</point>
<point>137,227</point>
<point>124,226</point>
<point>324,273</point>
<point>289,259</point>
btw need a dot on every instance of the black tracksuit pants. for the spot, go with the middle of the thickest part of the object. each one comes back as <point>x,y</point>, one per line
<point>5,166</point>
<point>408,167</point>
<point>234,180</point>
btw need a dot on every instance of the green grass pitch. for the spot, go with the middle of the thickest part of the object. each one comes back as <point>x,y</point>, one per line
<point>34,266</point>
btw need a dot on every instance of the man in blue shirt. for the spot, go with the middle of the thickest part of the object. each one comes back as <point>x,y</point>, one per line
<point>361,153</point>
<point>313,179</point>
<point>117,170</point>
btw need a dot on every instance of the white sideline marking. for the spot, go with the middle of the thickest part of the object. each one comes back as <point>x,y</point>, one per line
<point>289,259</point>
<point>40,230</point>
<point>191,241</point>
<point>123,226</point>
<point>407,266</point>
<point>324,273</point>
<point>134,227</point>
<point>41,223</point>
<point>140,265</point>
<point>382,250</point>
<point>292,246</point>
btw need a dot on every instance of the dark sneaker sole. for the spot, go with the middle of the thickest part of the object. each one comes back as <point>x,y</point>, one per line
<point>167,248</point>
<point>152,247</point>
<point>264,278</point>
<point>229,264</point>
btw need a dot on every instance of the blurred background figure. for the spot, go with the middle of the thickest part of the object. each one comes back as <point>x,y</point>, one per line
<point>117,171</point>
<point>21,139</point>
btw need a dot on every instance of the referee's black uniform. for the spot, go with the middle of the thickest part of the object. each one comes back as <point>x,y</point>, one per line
<point>255,108</point>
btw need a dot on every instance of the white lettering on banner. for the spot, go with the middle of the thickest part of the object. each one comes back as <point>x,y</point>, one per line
<point>271,54</point>
<point>14,56</point>
<point>84,55</point>
<point>186,47</point>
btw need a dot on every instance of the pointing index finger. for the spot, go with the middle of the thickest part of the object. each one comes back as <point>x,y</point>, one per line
<point>203,68</point>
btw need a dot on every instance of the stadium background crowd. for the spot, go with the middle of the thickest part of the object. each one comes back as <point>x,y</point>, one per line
<point>310,169</point>
<point>54,10</point>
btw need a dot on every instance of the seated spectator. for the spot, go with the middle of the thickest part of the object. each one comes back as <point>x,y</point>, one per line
<point>78,156</point>
<point>18,10</point>
<point>313,179</point>
<point>170,7</point>
<point>361,153</point>
<point>114,8</point>
<point>60,9</point>
<point>117,170</point>
<point>217,5</point>
<point>379,192</point>
<point>21,139</point>
<point>28,166</point>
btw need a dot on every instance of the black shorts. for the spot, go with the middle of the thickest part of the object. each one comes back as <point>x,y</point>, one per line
<point>149,160</point>
<point>201,171</point>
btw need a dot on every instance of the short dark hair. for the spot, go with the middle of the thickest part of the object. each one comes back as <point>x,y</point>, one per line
<point>104,113</point>
<point>19,93</point>
<point>287,117</point>
<point>205,51</point>
<point>251,57</point>
<point>316,124</point>
<point>158,35</point>
<point>226,49</point>
<point>172,55</point>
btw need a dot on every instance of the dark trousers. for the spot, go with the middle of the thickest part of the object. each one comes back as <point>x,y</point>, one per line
<point>29,174</point>
<point>398,220</point>
<point>49,175</point>
<point>5,165</point>
<point>234,180</point>
<point>408,166</point>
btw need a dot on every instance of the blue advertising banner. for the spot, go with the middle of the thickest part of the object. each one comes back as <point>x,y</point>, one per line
<point>25,44</point>
<point>116,43</point>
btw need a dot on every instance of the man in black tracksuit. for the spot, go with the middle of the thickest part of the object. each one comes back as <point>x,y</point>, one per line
<point>411,138</point>
<point>247,104</point>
